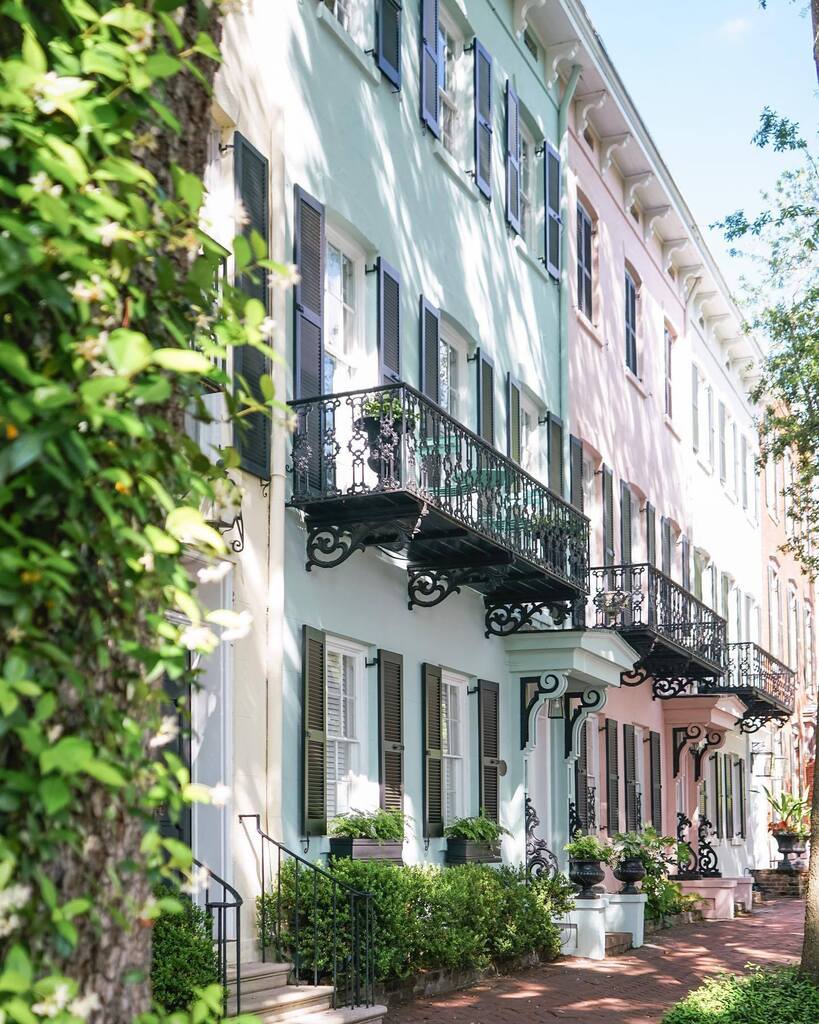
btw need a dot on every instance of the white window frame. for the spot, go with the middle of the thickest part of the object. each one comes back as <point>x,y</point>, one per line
<point>668,371</point>
<point>455,765</point>
<point>357,795</point>
<point>452,99</point>
<point>361,370</point>
<point>453,339</point>
<point>530,436</point>
<point>528,197</point>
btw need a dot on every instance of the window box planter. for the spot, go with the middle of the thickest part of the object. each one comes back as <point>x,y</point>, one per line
<point>471,851</point>
<point>367,849</point>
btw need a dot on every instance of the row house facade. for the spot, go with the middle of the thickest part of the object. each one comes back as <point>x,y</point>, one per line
<point>509,556</point>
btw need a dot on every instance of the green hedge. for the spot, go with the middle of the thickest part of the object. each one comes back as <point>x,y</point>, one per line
<point>771,996</point>
<point>183,955</point>
<point>424,917</point>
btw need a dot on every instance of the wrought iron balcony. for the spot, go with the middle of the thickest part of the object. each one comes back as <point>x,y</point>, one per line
<point>680,640</point>
<point>766,685</point>
<point>387,467</point>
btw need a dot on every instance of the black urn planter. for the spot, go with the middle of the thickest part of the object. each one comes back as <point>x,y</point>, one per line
<point>367,849</point>
<point>384,440</point>
<point>629,871</point>
<point>586,874</point>
<point>792,848</point>
<point>471,851</point>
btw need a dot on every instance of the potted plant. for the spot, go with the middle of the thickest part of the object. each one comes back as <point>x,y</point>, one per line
<point>791,830</point>
<point>368,835</point>
<point>383,420</point>
<point>629,869</point>
<point>474,840</point>
<point>586,854</point>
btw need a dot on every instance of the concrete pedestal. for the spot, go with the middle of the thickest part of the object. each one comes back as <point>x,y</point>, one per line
<point>744,892</point>
<point>626,912</point>
<point>590,918</point>
<point>717,896</point>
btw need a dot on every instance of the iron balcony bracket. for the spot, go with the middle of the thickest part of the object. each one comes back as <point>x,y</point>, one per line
<point>331,544</point>
<point>759,715</point>
<point>428,586</point>
<point>508,618</point>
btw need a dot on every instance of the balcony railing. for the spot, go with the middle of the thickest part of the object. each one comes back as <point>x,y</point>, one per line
<point>678,637</point>
<point>387,466</point>
<point>765,684</point>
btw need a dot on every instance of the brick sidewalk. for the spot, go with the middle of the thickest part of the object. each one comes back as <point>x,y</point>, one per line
<point>632,989</point>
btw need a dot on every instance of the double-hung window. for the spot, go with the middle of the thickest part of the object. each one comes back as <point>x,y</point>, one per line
<point>342,11</point>
<point>453,701</point>
<point>342,290</point>
<point>585,279</point>
<point>668,353</point>
<point>631,323</point>
<point>527,186</point>
<point>448,86</point>
<point>451,364</point>
<point>344,665</point>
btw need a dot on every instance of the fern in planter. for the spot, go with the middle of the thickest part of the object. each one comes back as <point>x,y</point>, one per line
<point>382,826</point>
<point>479,829</point>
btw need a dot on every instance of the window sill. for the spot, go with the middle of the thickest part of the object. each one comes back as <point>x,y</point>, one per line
<point>450,164</point>
<point>635,382</point>
<point>670,425</point>
<point>524,253</point>
<point>347,43</point>
<point>589,327</point>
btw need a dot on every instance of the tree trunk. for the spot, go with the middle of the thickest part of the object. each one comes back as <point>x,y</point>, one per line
<point>810,945</point>
<point>814,18</point>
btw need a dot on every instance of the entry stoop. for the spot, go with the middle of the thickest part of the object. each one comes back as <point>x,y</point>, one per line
<point>617,943</point>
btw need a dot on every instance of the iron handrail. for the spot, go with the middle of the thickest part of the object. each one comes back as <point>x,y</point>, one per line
<point>352,970</point>
<point>218,910</point>
<point>751,666</point>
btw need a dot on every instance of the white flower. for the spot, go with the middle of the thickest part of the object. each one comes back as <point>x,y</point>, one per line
<point>14,634</point>
<point>213,573</point>
<point>54,733</point>
<point>289,276</point>
<point>82,426</point>
<point>84,1006</point>
<point>143,41</point>
<point>240,628</point>
<point>167,732</point>
<point>54,1003</point>
<point>52,88</point>
<point>267,327</point>
<point>147,561</point>
<point>198,880</point>
<point>219,795</point>
<point>8,925</point>
<point>198,638</point>
<point>203,321</point>
<point>91,348</point>
<point>83,291</point>
<point>5,142</point>
<point>40,181</point>
<point>240,216</point>
<point>14,897</point>
<point>108,232</point>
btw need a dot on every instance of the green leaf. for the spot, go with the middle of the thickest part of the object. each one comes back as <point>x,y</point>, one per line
<point>54,793</point>
<point>70,157</point>
<point>33,54</point>
<point>128,351</point>
<point>104,772</point>
<point>181,360</point>
<point>190,189</point>
<point>162,65</point>
<point>71,754</point>
<point>254,312</point>
<point>20,453</point>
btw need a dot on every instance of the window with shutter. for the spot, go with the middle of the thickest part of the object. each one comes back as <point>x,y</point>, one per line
<point>388,39</point>
<point>489,748</point>
<point>744,470</point>
<point>513,216</point>
<point>716,789</point>
<point>432,718</point>
<point>608,516</point>
<point>252,433</point>
<point>741,795</point>
<point>709,420</point>
<point>651,534</point>
<point>685,557</point>
<point>665,545</point>
<point>576,472</point>
<point>656,781</point>
<point>631,323</point>
<point>668,339</point>
<point>612,778</point>
<point>514,447</point>
<point>554,426</point>
<point>389,322</point>
<point>486,397</point>
<point>630,755</point>
<point>728,764</point>
<point>454,700</point>
<point>483,120</point>
<point>551,192</point>
<point>309,249</point>
<point>314,710</point>
<point>430,321</point>
<point>430,104</point>
<point>695,408</point>
<point>584,262</point>
<point>625,524</point>
<point>581,779</point>
<point>723,442</point>
<point>391,729</point>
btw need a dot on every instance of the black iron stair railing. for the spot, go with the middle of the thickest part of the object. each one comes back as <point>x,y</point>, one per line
<point>317,922</point>
<point>222,902</point>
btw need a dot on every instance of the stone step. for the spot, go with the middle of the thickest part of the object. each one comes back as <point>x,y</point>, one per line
<point>259,977</point>
<point>343,1015</point>
<point>617,943</point>
<point>284,1002</point>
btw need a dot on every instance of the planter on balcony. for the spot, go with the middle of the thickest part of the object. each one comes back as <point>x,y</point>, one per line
<point>383,437</point>
<point>367,849</point>
<point>471,851</point>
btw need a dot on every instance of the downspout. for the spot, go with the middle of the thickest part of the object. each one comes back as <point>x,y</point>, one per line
<point>563,294</point>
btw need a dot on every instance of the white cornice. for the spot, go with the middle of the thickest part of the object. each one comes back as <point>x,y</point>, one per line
<point>688,273</point>
<point>608,144</point>
<point>521,12</point>
<point>670,247</point>
<point>586,104</point>
<point>633,182</point>
<point>651,216</point>
<point>556,55</point>
<point>700,301</point>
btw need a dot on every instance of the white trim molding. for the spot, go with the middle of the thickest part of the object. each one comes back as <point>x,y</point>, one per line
<point>670,247</point>
<point>556,55</point>
<point>608,144</point>
<point>521,12</point>
<point>651,216</point>
<point>586,104</point>
<point>633,182</point>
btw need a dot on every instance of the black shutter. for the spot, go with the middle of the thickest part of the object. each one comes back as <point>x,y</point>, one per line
<point>685,555</point>
<point>741,797</point>
<point>630,755</point>
<point>389,322</point>
<point>665,541</point>
<point>252,433</point>
<point>388,39</point>
<point>391,729</point>
<point>656,781</point>
<point>695,408</point>
<point>651,534</point>
<point>512,158</point>
<point>554,426</point>
<point>608,516</point>
<point>314,709</point>
<point>433,729</point>
<point>551,192</point>
<point>716,776</point>
<point>309,295</point>
<point>576,472</point>
<point>513,419</point>
<point>430,102</point>
<point>430,321</point>
<point>581,779</point>
<point>486,397</point>
<point>612,778</point>
<point>728,765</point>
<point>483,120</point>
<point>625,523</point>
<point>489,748</point>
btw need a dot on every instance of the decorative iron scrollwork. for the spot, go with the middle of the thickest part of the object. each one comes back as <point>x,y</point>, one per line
<point>591,807</point>
<point>707,860</point>
<point>699,739</point>
<point>539,858</point>
<point>505,619</point>
<point>685,866</point>
<point>238,524</point>
<point>428,586</point>
<point>636,676</point>
<point>575,824</point>
<point>330,544</point>
<point>667,687</point>
<point>759,715</point>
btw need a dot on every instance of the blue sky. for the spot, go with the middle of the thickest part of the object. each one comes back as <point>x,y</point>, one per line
<point>700,73</point>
